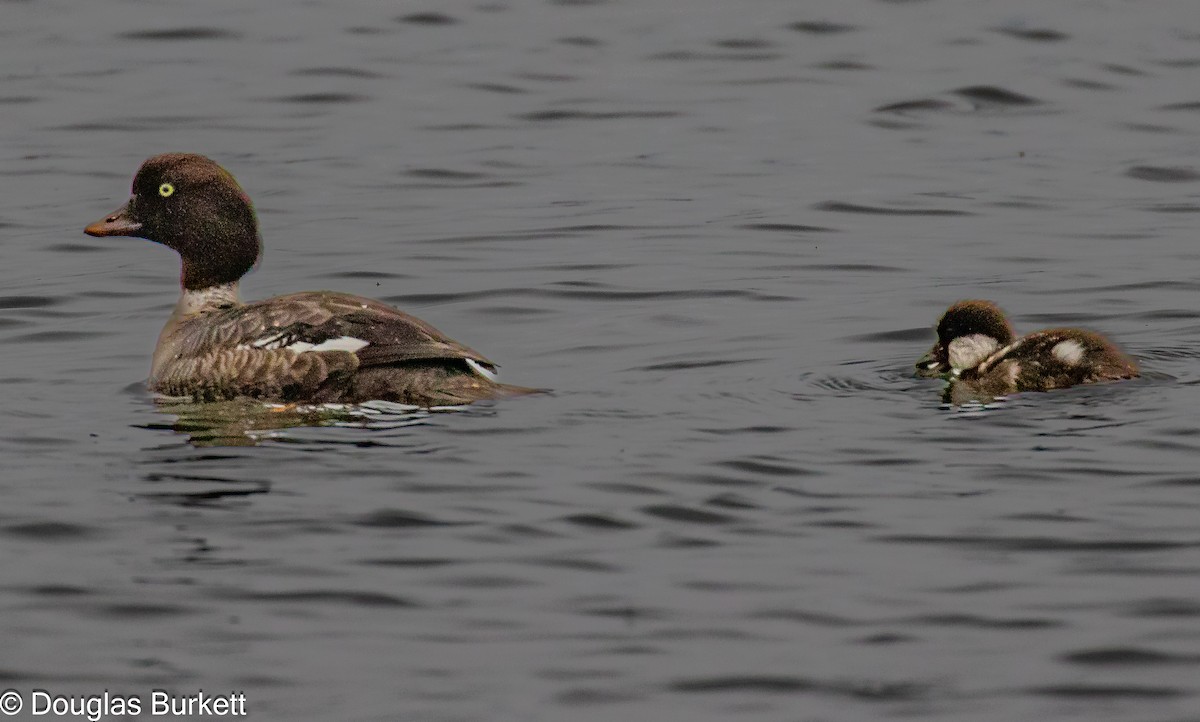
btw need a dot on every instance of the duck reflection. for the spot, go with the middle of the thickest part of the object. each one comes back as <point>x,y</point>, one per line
<point>246,422</point>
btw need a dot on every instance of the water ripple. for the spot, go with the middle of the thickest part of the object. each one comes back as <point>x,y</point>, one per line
<point>977,98</point>
<point>336,597</point>
<point>1122,656</point>
<point>782,684</point>
<point>842,207</point>
<point>1107,691</point>
<point>1041,544</point>
<point>50,531</point>
<point>544,116</point>
<point>1163,174</point>
<point>1037,35</point>
<point>674,512</point>
<point>821,27</point>
<point>427,18</point>
<point>181,33</point>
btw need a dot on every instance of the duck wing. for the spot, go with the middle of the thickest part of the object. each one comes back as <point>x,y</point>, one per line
<point>302,346</point>
<point>376,333</point>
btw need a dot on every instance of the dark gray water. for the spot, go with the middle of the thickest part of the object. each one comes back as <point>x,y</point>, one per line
<point>721,231</point>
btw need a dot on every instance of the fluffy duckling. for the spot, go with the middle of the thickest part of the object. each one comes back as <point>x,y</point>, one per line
<point>976,344</point>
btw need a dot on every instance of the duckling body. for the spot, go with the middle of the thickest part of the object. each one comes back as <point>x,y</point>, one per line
<point>310,347</point>
<point>978,349</point>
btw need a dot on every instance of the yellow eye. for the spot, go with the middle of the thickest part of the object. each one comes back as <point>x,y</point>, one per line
<point>165,190</point>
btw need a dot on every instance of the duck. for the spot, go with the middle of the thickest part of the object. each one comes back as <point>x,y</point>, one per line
<point>979,352</point>
<point>311,347</point>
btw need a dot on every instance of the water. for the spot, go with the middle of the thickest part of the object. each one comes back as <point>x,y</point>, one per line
<point>722,234</point>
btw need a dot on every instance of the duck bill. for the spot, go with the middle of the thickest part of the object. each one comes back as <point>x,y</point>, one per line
<point>929,365</point>
<point>118,223</point>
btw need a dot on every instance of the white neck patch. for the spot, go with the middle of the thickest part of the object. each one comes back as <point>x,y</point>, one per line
<point>967,352</point>
<point>208,298</point>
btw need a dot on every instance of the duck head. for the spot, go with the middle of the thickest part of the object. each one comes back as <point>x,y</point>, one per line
<point>189,203</point>
<point>968,332</point>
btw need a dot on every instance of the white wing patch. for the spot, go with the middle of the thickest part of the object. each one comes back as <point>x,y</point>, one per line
<point>1069,352</point>
<point>341,343</point>
<point>268,343</point>
<point>481,369</point>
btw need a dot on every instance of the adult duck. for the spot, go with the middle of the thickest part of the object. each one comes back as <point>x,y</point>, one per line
<point>310,347</point>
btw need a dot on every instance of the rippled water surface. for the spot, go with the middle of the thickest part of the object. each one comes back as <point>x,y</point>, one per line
<point>721,232</point>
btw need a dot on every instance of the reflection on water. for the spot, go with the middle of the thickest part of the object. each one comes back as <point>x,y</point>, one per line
<point>246,422</point>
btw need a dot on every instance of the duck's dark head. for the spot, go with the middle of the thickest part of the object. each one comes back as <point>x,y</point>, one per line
<point>189,203</point>
<point>968,332</point>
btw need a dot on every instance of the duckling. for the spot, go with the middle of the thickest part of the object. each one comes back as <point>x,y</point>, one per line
<point>976,345</point>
